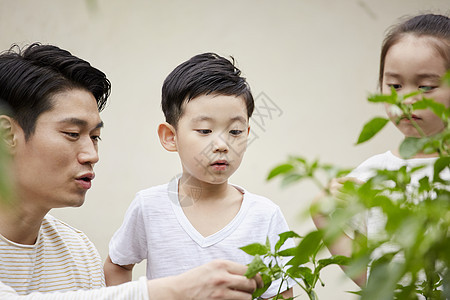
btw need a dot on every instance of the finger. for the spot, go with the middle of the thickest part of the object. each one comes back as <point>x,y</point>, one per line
<point>233,267</point>
<point>242,283</point>
<point>259,281</point>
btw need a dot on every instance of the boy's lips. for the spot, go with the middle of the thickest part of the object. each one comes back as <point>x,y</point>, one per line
<point>219,165</point>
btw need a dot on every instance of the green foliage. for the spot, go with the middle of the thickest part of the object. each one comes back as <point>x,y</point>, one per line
<point>410,256</point>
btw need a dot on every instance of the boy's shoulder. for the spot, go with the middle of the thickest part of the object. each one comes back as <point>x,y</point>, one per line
<point>256,200</point>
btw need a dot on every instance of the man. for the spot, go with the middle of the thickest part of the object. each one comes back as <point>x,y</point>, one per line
<point>51,134</point>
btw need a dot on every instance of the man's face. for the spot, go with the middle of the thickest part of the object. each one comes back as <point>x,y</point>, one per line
<point>54,167</point>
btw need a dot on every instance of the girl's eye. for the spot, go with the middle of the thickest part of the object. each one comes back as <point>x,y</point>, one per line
<point>204,131</point>
<point>236,132</point>
<point>395,86</point>
<point>426,88</point>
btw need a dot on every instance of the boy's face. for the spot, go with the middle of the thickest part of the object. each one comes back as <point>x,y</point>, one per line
<point>54,167</point>
<point>211,137</point>
<point>414,64</point>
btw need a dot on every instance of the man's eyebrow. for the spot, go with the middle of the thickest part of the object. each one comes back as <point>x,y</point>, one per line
<point>80,122</point>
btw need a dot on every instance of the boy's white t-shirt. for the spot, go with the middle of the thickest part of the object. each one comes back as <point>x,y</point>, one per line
<point>155,228</point>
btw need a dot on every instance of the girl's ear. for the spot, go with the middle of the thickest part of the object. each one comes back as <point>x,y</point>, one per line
<point>7,132</point>
<point>166,133</point>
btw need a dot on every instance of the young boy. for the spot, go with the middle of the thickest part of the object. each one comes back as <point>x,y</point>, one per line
<point>198,216</point>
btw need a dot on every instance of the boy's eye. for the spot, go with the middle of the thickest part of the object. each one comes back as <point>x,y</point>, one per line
<point>204,131</point>
<point>425,89</point>
<point>236,132</point>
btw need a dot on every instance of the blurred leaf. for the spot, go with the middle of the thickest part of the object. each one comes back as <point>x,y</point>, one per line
<point>256,266</point>
<point>390,99</point>
<point>437,108</point>
<point>440,164</point>
<point>446,78</point>
<point>411,146</point>
<point>281,169</point>
<point>371,128</point>
<point>267,281</point>
<point>255,249</point>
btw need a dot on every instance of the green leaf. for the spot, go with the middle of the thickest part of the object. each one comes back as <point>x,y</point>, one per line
<point>255,249</point>
<point>257,265</point>
<point>307,247</point>
<point>283,238</point>
<point>381,98</point>
<point>304,273</point>
<point>437,108</point>
<point>446,78</point>
<point>411,146</point>
<point>281,169</point>
<point>334,260</point>
<point>371,128</point>
<point>440,164</point>
<point>267,281</point>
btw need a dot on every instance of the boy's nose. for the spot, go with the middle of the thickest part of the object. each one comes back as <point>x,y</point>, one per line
<point>220,145</point>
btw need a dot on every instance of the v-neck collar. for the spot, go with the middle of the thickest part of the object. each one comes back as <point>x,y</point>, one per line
<point>172,190</point>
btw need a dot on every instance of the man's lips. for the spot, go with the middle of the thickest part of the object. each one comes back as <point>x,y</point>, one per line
<point>85,179</point>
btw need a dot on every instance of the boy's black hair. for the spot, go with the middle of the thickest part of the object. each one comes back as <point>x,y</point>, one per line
<point>30,77</point>
<point>203,74</point>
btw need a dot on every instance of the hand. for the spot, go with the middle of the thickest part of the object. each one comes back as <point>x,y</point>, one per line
<point>218,279</point>
<point>336,184</point>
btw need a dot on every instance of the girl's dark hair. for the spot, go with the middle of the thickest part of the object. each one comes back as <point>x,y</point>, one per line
<point>427,25</point>
<point>203,74</point>
<point>30,77</point>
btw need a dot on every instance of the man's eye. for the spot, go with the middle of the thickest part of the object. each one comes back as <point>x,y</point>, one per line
<point>204,131</point>
<point>425,88</point>
<point>96,138</point>
<point>73,135</point>
<point>236,132</point>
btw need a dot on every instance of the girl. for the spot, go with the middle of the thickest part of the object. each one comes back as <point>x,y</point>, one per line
<point>414,56</point>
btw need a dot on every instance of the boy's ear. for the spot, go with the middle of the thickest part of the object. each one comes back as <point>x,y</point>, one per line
<point>7,132</point>
<point>166,133</point>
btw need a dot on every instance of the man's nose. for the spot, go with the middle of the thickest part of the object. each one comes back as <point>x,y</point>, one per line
<point>88,153</point>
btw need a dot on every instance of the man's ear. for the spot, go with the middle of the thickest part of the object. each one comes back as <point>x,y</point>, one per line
<point>7,131</point>
<point>166,133</point>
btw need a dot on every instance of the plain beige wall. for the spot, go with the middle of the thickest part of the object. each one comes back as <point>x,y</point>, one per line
<point>316,59</point>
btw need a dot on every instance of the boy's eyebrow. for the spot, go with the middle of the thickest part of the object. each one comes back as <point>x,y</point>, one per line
<point>206,118</point>
<point>240,119</point>
<point>80,122</point>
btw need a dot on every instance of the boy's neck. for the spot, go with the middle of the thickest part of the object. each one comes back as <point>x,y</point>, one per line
<point>208,207</point>
<point>189,187</point>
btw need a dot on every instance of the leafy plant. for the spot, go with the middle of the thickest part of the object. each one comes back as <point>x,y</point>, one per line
<point>410,256</point>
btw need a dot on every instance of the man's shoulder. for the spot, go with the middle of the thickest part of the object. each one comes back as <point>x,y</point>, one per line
<point>52,225</point>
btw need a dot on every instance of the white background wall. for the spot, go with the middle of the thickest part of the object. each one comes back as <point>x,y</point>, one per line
<point>317,60</point>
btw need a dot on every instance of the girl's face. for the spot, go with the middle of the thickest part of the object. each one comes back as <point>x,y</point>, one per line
<point>414,64</point>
